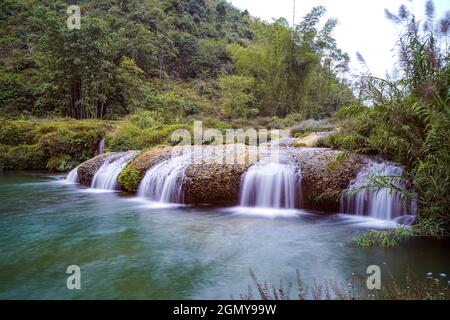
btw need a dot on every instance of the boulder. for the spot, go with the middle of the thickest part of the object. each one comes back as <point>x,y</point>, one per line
<point>326,173</point>
<point>134,172</point>
<point>87,170</point>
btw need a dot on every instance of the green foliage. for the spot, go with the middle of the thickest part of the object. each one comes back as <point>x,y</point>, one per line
<point>129,136</point>
<point>62,163</point>
<point>79,145</point>
<point>108,67</point>
<point>65,143</point>
<point>408,120</point>
<point>237,99</point>
<point>129,179</point>
<point>15,133</point>
<point>382,238</point>
<point>25,157</point>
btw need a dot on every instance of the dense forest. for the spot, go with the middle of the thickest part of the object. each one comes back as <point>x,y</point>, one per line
<point>175,58</point>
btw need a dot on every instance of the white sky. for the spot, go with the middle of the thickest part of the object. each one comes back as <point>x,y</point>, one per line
<point>362,24</point>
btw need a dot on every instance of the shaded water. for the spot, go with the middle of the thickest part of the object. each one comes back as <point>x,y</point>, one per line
<point>127,248</point>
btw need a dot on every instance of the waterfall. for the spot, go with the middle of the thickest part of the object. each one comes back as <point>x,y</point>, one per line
<point>384,203</point>
<point>163,182</point>
<point>72,177</point>
<point>269,185</point>
<point>101,146</point>
<point>106,177</point>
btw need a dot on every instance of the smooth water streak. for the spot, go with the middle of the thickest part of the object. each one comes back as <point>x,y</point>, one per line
<point>379,203</point>
<point>270,185</point>
<point>106,177</point>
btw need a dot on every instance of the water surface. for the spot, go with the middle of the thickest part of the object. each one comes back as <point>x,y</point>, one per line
<point>129,248</point>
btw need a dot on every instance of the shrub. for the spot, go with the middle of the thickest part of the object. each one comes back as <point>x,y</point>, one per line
<point>129,179</point>
<point>61,163</point>
<point>25,157</point>
<point>382,238</point>
<point>80,146</point>
<point>145,119</point>
<point>18,132</point>
<point>126,137</point>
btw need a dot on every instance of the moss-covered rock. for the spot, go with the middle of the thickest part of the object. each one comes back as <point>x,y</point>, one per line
<point>213,182</point>
<point>131,176</point>
<point>326,174</point>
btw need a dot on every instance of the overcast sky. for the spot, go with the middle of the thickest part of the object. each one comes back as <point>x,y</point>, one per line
<point>362,24</point>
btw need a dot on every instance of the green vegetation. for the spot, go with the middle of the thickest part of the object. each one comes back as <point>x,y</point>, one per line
<point>408,119</point>
<point>150,67</point>
<point>409,288</point>
<point>383,238</point>
<point>179,59</point>
<point>57,145</point>
<point>129,179</point>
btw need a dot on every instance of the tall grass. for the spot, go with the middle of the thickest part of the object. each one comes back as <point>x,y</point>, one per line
<point>410,288</point>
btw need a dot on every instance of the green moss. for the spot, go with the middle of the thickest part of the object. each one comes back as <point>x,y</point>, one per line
<point>17,132</point>
<point>25,157</point>
<point>129,179</point>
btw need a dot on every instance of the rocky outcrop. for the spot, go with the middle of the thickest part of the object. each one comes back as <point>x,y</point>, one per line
<point>210,180</point>
<point>214,184</point>
<point>216,178</point>
<point>326,173</point>
<point>134,172</point>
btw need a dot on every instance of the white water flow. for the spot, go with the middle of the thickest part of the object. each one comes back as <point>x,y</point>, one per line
<point>380,203</point>
<point>163,182</point>
<point>101,146</point>
<point>106,177</point>
<point>269,185</point>
<point>72,177</point>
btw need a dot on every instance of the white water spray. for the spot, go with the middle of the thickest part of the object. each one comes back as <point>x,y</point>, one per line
<point>101,146</point>
<point>269,185</point>
<point>106,177</point>
<point>163,182</point>
<point>72,177</point>
<point>380,203</point>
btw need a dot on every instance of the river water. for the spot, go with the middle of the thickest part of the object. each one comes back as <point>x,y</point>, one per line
<point>130,248</point>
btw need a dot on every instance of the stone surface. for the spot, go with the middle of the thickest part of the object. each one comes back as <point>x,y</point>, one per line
<point>326,173</point>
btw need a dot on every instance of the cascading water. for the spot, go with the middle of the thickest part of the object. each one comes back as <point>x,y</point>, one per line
<point>163,182</point>
<point>101,146</point>
<point>72,177</point>
<point>269,185</point>
<point>380,203</point>
<point>106,177</point>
